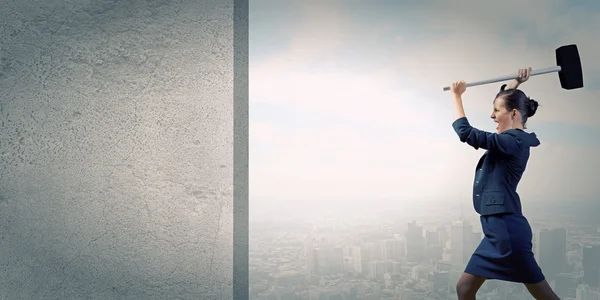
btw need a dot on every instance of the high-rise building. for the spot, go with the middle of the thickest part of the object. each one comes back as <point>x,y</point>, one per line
<point>314,241</point>
<point>377,269</point>
<point>329,260</point>
<point>431,238</point>
<point>462,242</point>
<point>355,253</point>
<point>392,250</point>
<point>361,257</point>
<point>591,265</point>
<point>442,235</point>
<point>552,250</point>
<point>375,251</point>
<point>415,243</point>
<point>566,284</point>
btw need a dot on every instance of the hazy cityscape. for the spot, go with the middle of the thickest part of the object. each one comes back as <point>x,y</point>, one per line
<point>403,254</point>
<point>357,179</point>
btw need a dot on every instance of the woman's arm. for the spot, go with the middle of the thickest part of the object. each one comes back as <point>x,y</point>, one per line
<point>459,110</point>
<point>513,84</point>
<point>523,76</point>
<point>505,143</point>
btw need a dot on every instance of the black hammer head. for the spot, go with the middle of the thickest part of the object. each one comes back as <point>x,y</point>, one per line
<point>571,74</point>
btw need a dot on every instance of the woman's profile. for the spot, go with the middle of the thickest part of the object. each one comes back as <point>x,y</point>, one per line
<point>505,252</point>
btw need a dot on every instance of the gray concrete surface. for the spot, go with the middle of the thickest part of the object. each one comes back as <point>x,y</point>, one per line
<point>116,149</point>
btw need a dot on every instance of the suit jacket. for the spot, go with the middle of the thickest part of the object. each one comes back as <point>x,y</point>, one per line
<point>500,168</point>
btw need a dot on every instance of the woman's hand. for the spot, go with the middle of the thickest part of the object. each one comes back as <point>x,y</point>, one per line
<point>523,75</point>
<point>458,88</point>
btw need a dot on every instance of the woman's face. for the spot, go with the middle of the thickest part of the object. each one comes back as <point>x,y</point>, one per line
<point>503,117</point>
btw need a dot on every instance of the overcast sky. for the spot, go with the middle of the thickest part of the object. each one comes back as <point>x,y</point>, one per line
<point>346,101</point>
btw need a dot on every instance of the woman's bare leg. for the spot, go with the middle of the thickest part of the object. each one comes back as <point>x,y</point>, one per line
<point>468,285</point>
<point>541,291</point>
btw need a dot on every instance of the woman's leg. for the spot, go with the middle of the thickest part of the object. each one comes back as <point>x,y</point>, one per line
<point>541,291</point>
<point>468,285</point>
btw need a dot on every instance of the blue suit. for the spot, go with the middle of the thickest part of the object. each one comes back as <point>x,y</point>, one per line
<point>505,251</point>
<point>500,169</point>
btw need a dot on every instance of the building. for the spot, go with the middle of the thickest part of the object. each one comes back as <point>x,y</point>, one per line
<point>552,249</point>
<point>591,266</point>
<point>392,250</point>
<point>328,261</point>
<point>565,285</point>
<point>415,243</point>
<point>463,242</point>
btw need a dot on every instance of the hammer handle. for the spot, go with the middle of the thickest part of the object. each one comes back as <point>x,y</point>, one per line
<point>509,77</point>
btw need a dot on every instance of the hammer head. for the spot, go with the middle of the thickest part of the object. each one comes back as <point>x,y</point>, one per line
<point>571,74</point>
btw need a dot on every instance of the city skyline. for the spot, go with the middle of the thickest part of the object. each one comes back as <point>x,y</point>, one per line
<point>406,257</point>
<point>359,187</point>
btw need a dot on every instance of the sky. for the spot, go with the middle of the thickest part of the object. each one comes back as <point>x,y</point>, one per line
<point>346,100</point>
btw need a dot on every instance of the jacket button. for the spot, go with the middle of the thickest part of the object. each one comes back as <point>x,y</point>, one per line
<point>477,195</point>
<point>493,201</point>
<point>477,181</point>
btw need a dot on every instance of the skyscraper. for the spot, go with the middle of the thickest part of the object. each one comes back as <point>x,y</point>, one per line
<point>591,265</point>
<point>442,236</point>
<point>461,242</point>
<point>361,257</point>
<point>415,243</point>
<point>313,241</point>
<point>432,238</point>
<point>329,260</point>
<point>566,285</point>
<point>392,250</point>
<point>552,249</point>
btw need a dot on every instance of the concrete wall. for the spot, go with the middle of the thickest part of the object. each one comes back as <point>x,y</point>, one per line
<point>116,149</point>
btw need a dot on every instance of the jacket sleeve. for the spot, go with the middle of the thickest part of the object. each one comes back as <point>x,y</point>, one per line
<point>505,142</point>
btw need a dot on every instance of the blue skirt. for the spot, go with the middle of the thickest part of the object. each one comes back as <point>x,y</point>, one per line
<point>505,251</point>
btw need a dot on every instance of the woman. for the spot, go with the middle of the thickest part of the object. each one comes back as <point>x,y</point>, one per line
<point>505,251</point>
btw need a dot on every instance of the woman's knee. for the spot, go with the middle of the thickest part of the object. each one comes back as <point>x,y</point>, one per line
<point>466,289</point>
<point>468,285</point>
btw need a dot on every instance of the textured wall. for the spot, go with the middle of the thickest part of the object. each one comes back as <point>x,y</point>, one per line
<point>116,149</point>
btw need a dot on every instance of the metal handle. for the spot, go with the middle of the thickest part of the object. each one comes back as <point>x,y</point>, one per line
<point>509,77</point>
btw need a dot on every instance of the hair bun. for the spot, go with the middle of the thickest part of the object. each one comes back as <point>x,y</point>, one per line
<point>532,107</point>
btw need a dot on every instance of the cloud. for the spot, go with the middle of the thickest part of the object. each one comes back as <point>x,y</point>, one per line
<point>339,163</point>
<point>493,41</point>
<point>380,94</point>
<point>461,41</point>
<point>323,32</point>
<point>369,97</point>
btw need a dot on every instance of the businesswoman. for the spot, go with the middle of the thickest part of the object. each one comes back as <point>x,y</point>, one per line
<point>505,251</point>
